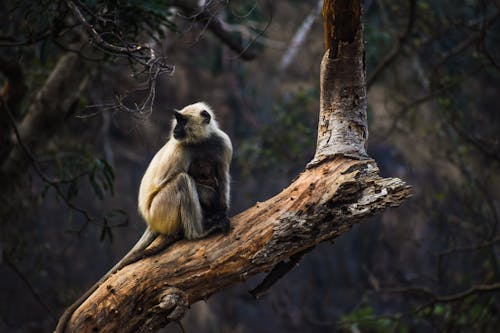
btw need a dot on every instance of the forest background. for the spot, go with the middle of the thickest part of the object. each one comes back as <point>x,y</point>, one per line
<point>433,70</point>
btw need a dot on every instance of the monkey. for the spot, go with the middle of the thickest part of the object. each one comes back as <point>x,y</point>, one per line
<point>185,189</point>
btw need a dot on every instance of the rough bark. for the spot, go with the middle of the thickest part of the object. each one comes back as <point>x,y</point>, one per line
<point>342,126</point>
<point>338,188</point>
<point>324,202</point>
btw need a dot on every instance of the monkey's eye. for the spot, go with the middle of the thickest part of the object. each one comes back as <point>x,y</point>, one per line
<point>206,116</point>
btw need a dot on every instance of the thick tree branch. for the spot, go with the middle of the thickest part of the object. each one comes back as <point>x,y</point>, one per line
<point>342,126</point>
<point>338,188</point>
<point>323,203</point>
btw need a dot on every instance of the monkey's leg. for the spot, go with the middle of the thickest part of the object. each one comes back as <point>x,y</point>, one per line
<point>164,211</point>
<point>214,212</point>
<point>189,207</point>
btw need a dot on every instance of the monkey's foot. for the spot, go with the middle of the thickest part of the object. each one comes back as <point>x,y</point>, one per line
<point>218,222</point>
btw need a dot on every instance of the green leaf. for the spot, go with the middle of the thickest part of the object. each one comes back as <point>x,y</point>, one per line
<point>97,189</point>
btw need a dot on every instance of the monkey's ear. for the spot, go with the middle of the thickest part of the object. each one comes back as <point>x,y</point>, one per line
<point>206,116</point>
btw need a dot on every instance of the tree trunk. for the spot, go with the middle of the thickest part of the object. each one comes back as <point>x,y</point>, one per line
<point>46,114</point>
<point>338,188</point>
<point>342,126</point>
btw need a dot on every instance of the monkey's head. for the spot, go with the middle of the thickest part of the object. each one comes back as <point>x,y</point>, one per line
<point>194,123</point>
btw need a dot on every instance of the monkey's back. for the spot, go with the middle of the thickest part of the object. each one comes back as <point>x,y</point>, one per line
<point>160,208</point>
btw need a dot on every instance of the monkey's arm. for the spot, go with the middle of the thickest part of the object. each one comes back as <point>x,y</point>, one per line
<point>138,252</point>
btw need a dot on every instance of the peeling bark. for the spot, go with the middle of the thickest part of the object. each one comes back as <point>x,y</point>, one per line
<point>342,129</point>
<point>321,204</point>
<point>338,188</point>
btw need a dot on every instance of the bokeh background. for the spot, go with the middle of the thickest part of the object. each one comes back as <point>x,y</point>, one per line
<point>433,69</point>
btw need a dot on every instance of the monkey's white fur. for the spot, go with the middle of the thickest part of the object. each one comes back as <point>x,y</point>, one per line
<point>168,197</point>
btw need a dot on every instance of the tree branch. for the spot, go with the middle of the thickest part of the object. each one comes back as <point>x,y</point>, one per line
<point>397,49</point>
<point>31,158</point>
<point>339,188</point>
<point>215,25</point>
<point>476,289</point>
<point>323,203</point>
<point>45,115</point>
<point>299,37</point>
<point>342,128</point>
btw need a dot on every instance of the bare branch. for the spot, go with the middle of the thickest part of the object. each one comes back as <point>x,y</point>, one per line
<point>153,66</point>
<point>28,285</point>
<point>52,182</point>
<point>428,293</point>
<point>397,49</point>
<point>323,203</point>
<point>338,188</point>
<point>300,36</point>
<point>470,248</point>
<point>213,23</point>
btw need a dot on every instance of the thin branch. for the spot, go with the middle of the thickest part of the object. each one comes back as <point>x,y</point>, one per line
<point>470,248</point>
<point>30,287</point>
<point>474,37</point>
<point>480,146</point>
<point>483,47</point>
<point>408,107</point>
<point>53,183</point>
<point>397,49</point>
<point>477,289</point>
<point>50,32</point>
<point>153,65</point>
<point>217,27</point>
<point>300,36</point>
<point>97,38</point>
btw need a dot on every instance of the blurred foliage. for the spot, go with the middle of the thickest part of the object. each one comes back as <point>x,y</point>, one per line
<point>285,141</point>
<point>364,319</point>
<point>434,122</point>
<point>439,93</point>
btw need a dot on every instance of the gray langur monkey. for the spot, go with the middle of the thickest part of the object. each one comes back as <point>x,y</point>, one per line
<point>185,189</point>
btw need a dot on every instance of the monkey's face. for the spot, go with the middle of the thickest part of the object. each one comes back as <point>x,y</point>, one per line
<point>193,123</point>
<point>180,126</point>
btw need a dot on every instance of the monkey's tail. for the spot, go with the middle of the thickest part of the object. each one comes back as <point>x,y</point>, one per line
<point>138,252</point>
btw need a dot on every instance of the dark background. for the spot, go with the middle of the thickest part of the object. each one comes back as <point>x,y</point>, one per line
<point>433,71</point>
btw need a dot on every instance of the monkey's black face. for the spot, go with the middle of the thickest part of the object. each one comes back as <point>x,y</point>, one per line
<point>180,127</point>
<point>179,131</point>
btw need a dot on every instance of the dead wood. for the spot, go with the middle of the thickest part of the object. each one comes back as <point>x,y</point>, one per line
<point>338,188</point>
